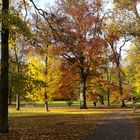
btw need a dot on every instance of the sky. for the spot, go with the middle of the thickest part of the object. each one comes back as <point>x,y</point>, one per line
<point>49,3</point>
<point>42,3</point>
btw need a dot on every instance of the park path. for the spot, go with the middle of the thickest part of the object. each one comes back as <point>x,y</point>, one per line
<point>116,126</point>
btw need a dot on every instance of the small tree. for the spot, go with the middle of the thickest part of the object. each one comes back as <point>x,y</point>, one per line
<point>36,79</point>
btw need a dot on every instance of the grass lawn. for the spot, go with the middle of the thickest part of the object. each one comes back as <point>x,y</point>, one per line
<point>74,103</point>
<point>60,123</point>
<point>54,103</point>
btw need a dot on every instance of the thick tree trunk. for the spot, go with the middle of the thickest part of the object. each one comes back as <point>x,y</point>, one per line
<point>82,90</point>
<point>4,71</point>
<point>17,102</point>
<point>108,97</point>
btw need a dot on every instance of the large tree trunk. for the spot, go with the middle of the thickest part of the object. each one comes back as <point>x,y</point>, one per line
<point>17,102</point>
<point>82,90</point>
<point>4,70</point>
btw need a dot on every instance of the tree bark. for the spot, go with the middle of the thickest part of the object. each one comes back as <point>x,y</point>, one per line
<point>17,102</point>
<point>18,72</point>
<point>108,79</point>
<point>46,101</point>
<point>4,70</point>
<point>46,72</point>
<point>46,106</point>
<point>121,88</point>
<point>108,97</point>
<point>82,90</point>
<point>10,98</point>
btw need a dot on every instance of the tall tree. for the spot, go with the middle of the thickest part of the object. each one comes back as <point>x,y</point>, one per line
<point>78,26</point>
<point>117,42</point>
<point>4,68</point>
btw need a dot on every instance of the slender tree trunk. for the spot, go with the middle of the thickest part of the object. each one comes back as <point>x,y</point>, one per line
<point>10,98</point>
<point>108,97</point>
<point>46,106</point>
<point>46,101</point>
<point>82,90</point>
<point>108,79</point>
<point>4,70</point>
<point>46,95</point>
<point>17,102</point>
<point>121,88</point>
<point>18,72</point>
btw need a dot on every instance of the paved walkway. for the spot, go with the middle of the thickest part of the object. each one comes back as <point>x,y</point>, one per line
<point>116,126</point>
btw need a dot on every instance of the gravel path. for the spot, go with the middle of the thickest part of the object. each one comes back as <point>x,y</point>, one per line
<point>116,126</point>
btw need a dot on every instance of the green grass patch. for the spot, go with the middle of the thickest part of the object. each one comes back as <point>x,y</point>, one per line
<point>53,103</point>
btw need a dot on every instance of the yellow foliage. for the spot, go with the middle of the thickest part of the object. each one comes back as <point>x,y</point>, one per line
<point>54,74</point>
<point>37,78</point>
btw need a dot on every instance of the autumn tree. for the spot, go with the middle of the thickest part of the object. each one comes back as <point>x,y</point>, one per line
<point>132,68</point>
<point>77,25</point>
<point>116,42</point>
<point>107,72</point>
<point>36,79</point>
<point>40,43</point>
<point>128,17</point>
<point>124,21</point>
<point>54,75</point>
